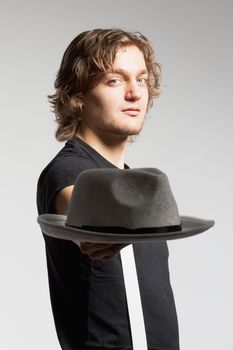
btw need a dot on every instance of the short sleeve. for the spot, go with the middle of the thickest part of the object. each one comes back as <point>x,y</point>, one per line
<point>57,175</point>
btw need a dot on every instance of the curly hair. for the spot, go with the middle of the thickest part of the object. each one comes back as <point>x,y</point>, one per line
<point>84,62</point>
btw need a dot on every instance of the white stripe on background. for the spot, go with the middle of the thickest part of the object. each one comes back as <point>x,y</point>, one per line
<point>137,324</point>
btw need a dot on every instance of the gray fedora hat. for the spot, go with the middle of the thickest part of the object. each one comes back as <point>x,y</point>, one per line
<point>122,206</point>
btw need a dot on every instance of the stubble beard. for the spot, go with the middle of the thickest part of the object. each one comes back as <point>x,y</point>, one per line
<point>124,131</point>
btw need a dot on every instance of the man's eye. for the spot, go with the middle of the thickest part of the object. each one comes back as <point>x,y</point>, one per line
<point>114,80</point>
<point>142,80</point>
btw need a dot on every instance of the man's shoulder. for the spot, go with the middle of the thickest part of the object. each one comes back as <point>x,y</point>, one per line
<point>61,172</point>
<point>71,158</point>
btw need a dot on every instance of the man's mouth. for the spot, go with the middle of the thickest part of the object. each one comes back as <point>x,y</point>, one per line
<point>133,111</point>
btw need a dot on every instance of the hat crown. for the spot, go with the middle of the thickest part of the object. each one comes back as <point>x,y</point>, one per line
<point>132,199</point>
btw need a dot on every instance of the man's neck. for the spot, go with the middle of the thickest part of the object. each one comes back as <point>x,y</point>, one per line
<point>111,147</point>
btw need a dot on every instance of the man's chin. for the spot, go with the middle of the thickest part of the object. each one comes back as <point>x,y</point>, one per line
<point>121,135</point>
<point>126,131</point>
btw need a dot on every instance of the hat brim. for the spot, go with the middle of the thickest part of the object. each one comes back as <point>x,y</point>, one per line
<point>54,225</point>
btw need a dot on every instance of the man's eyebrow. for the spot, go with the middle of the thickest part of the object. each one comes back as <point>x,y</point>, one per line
<point>124,72</point>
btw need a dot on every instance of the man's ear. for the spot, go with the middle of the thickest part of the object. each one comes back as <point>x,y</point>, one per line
<point>77,103</point>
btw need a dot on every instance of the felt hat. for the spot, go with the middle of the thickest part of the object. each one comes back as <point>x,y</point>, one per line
<point>122,206</point>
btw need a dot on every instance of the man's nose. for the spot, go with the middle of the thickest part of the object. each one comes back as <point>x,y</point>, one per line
<point>132,92</point>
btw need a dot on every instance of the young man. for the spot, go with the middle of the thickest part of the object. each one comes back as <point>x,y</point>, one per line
<point>104,88</point>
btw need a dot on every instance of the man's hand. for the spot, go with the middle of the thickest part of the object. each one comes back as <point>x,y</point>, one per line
<point>101,251</point>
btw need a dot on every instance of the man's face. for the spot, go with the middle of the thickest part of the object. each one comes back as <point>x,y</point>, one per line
<point>118,104</point>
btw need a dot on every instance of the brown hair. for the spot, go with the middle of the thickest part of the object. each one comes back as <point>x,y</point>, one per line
<point>85,61</point>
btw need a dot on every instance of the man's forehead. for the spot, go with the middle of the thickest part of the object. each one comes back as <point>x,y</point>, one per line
<point>130,58</point>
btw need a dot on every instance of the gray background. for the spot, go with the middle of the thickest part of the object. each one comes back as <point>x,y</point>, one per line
<point>188,135</point>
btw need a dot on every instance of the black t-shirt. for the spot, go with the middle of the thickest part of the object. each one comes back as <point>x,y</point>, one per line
<point>88,296</point>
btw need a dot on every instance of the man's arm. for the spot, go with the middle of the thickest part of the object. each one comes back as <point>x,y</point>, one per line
<point>62,200</point>
<point>93,250</point>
